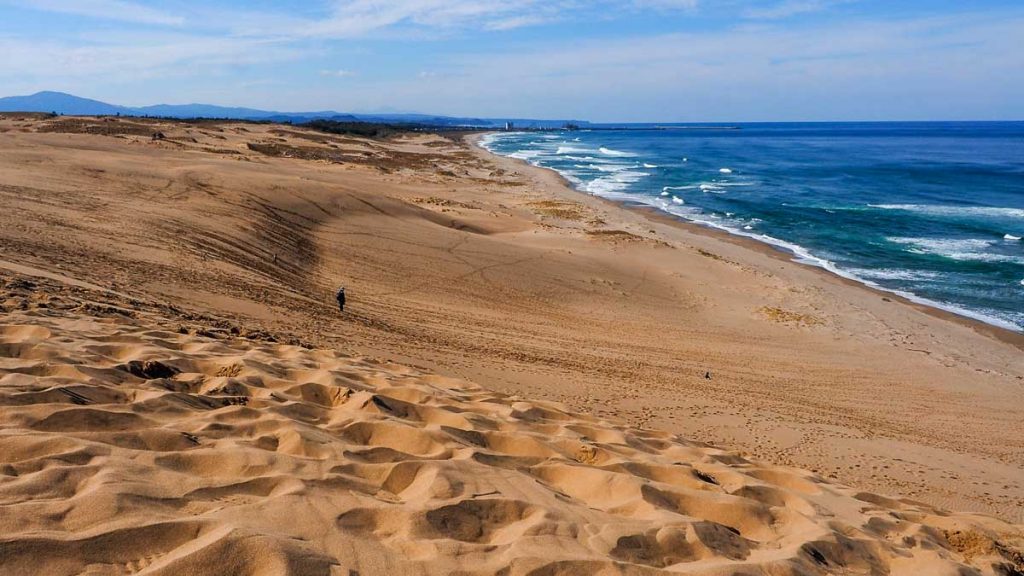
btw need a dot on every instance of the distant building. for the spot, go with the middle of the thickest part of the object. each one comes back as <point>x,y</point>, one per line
<point>509,126</point>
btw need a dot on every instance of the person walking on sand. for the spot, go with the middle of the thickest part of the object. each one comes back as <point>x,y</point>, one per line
<point>340,296</point>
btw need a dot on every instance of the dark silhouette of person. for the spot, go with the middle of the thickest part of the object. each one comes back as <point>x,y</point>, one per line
<point>340,296</point>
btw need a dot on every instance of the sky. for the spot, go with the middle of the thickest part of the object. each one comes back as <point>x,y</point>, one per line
<point>598,60</point>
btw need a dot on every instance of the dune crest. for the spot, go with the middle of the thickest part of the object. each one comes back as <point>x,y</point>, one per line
<point>127,447</point>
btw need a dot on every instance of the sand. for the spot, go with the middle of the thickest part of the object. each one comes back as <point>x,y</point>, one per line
<point>519,384</point>
<point>129,447</point>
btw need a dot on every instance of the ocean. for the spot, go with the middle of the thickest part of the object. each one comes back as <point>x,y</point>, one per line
<point>932,211</point>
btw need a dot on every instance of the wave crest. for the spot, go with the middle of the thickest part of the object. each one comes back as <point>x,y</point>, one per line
<point>946,210</point>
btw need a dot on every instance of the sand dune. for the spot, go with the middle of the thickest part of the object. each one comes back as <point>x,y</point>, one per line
<point>128,447</point>
<point>178,394</point>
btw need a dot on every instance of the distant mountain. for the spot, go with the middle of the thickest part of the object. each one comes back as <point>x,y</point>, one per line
<point>69,104</point>
<point>199,111</point>
<point>59,102</point>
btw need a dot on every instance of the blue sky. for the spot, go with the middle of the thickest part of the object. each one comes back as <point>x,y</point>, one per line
<point>602,60</point>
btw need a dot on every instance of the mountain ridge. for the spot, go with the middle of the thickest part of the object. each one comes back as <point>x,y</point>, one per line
<point>70,104</point>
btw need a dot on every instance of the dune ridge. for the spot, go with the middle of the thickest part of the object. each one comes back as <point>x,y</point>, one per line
<point>131,447</point>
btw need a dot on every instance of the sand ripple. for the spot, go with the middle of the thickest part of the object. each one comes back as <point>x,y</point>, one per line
<point>129,449</point>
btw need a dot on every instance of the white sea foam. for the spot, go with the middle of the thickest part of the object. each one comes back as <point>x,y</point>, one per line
<point>618,153</point>
<point>939,210</point>
<point>590,159</point>
<point>711,188</point>
<point>525,154</point>
<point>964,249</point>
<point>647,165</point>
<point>614,182</point>
<point>895,274</point>
<point>664,192</point>
<point>571,150</point>
<point>572,177</point>
<point>725,171</point>
<point>944,244</point>
<point>487,140</point>
<point>610,167</point>
<point>691,187</point>
<point>1010,237</point>
<point>677,200</point>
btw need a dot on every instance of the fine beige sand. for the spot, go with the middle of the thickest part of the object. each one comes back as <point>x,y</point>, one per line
<point>518,385</point>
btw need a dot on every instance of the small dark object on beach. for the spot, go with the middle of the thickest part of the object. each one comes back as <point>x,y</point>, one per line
<point>340,296</point>
<point>707,375</point>
<point>158,136</point>
<point>149,369</point>
<point>21,284</point>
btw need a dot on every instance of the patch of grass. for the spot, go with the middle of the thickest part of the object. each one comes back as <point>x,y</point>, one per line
<point>972,544</point>
<point>444,202</point>
<point>364,129</point>
<point>559,209</point>
<point>302,152</point>
<point>787,317</point>
<point>615,235</point>
<point>711,255</point>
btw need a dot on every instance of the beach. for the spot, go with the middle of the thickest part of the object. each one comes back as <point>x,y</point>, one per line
<point>587,386</point>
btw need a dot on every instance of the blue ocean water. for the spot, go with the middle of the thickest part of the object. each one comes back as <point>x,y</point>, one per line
<point>933,211</point>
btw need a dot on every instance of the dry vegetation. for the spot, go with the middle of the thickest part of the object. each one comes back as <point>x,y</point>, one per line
<point>787,317</point>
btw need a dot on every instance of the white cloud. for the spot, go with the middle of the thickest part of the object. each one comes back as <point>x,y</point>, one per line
<point>911,69</point>
<point>667,4</point>
<point>337,73</point>
<point>789,8</point>
<point>346,19</point>
<point>967,64</point>
<point>134,56</point>
<point>518,22</point>
<point>119,10</point>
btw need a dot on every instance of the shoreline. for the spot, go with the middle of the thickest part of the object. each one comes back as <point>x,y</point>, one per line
<point>934,309</point>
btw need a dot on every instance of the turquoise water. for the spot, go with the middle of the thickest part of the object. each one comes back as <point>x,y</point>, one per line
<point>933,211</point>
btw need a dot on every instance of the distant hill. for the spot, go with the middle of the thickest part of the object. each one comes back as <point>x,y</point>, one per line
<point>69,104</point>
<point>59,102</point>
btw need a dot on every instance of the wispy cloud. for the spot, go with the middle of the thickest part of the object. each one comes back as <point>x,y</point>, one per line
<point>910,69</point>
<point>518,22</point>
<point>135,56</point>
<point>347,19</point>
<point>789,8</point>
<point>734,59</point>
<point>667,4</point>
<point>337,73</point>
<point>119,10</point>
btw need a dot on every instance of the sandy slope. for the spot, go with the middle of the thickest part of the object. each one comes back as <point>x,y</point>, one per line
<point>479,269</point>
<point>128,447</point>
